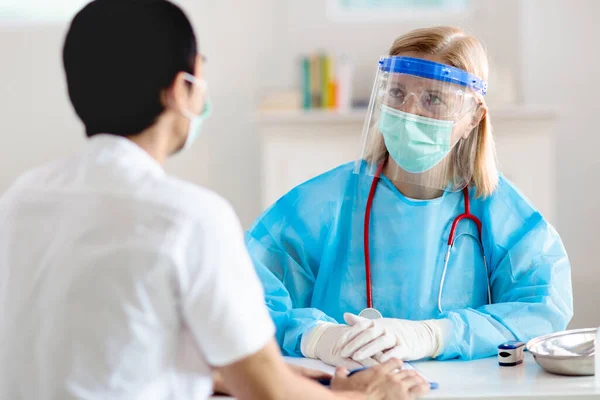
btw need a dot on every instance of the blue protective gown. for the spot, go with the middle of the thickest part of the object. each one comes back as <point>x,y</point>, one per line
<point>308,252</point>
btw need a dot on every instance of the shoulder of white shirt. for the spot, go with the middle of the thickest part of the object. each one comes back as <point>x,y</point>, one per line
<point>180,197</point>
<point>193,200</point>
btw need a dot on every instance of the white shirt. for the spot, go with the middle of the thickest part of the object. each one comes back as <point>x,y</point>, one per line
<point>118,281</point>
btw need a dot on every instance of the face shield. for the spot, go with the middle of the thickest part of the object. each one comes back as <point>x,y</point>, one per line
<point>422,122</point>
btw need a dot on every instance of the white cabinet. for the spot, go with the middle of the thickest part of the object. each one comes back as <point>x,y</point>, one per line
<point>299,145</point>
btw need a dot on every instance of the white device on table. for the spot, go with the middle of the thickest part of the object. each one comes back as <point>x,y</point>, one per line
<point>511,353</point>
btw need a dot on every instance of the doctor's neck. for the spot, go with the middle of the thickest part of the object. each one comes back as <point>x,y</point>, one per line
<point>410,190</point>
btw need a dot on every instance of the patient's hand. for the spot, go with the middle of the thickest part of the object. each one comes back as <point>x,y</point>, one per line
<point>385,381</point>
<point>309,373</point>
<point>220,388</point>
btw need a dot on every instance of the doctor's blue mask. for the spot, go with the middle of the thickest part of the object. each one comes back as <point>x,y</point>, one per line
<point>415,143</point>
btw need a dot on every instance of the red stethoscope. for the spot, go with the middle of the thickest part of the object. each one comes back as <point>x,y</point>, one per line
<point>371,312</point>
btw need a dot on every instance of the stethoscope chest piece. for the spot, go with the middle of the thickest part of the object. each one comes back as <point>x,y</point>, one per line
<point>370,313</point>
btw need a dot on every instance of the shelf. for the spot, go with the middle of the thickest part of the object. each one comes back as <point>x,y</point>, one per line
<point>311,116</point>
<point>511,113</point>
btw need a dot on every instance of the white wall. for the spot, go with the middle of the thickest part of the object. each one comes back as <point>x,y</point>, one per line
<point>560,58</point>
<point>37,122</point>
<point>304,27</point>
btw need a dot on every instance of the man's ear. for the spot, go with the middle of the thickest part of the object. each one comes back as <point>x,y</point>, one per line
<point>177,95</point>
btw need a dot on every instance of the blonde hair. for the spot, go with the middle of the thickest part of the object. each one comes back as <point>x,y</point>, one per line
<point>467,53</point>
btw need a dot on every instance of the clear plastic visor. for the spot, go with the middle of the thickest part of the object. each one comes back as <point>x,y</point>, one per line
<point>424,130</point>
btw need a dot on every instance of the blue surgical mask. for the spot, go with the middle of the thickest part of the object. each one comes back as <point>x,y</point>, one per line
<point>415,143</point>
<point>196,122</point>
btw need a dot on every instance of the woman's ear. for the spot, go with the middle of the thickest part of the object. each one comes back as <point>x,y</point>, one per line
<point>478,115</point>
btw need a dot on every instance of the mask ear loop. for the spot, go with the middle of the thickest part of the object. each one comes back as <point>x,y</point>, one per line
<point>202,84</point>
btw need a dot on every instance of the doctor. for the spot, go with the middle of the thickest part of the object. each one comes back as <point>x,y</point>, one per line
<point>118,281</point>
<point>420,248</point>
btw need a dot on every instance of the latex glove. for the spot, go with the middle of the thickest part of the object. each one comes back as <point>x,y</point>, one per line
<point>326,340</point>
<point>387,338</point>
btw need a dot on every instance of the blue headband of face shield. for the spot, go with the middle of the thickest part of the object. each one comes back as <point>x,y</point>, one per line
<point>432,70</point>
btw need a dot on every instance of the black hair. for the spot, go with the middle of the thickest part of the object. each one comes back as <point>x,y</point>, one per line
<point>119,55</point>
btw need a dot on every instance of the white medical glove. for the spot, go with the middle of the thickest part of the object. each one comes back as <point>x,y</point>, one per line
<point>326,340</point>
<point>402,339</point>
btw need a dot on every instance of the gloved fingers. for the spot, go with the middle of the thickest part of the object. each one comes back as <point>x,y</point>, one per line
<point>368,362</point>
<point>363,338</point>
<point>384,342</point>
<point>395,352</point>
<point>350,333</point>
<point>353,319</point>
<point>348,364</point>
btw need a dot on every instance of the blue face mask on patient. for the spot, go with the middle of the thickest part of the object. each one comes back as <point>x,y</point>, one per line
<point>196,121</point>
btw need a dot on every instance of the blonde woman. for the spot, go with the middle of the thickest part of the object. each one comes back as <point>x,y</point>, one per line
<point>420,248</point>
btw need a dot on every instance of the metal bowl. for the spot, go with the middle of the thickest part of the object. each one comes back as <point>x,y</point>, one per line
<point>565,353</point>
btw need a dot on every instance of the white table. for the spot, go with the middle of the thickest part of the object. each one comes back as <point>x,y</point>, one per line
<point>484,379</point>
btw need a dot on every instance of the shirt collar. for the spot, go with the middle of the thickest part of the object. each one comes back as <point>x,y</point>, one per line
<point>108,148</point>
